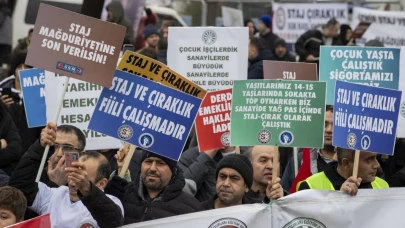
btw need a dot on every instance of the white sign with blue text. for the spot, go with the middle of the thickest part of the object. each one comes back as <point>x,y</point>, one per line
<point>365,117</point>
<point>32,85</point>
<point>146,114</point>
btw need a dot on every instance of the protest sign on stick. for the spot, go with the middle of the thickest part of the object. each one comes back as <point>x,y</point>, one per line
<point>146,114</point>
<point>365,118</point>
<point>75,45</point>
<point>374,66</point>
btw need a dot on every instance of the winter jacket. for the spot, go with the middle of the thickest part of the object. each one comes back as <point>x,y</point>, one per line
<point>17,111</point>
<point>119,18</point>
<point>398,179</point>
<point>200,168</point>
<point>310,43</point>
<point>269,39</point>
<point>10,155</point>
<point>210,203</point>
<point>140,207</point>
<point>102,208</point>
<point>255,69</point>
<point>4,178</point>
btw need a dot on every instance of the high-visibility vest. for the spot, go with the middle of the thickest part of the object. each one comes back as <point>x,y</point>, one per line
<point>321,181</point>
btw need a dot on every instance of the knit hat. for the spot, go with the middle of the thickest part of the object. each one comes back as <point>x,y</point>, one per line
<point>16,60</point>
<point>150,30</point>
<point>171,163</point>
<point>266,19</point>
<point>280,42</point>
<point>239,163</point>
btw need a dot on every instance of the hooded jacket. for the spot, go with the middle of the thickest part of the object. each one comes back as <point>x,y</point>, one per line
<point>170,202</point>
<point>255,69</point>
<point>118,17</point>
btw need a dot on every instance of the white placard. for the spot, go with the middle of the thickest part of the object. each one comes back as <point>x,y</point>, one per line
<point>232,17</point>
<point>211,57</point>
<point>309,208</point>
<point>78,106</point>
<point>291,20</point>
<point>386,26</point>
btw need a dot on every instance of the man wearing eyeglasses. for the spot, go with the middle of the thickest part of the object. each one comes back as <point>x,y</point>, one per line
<point>80,204</point>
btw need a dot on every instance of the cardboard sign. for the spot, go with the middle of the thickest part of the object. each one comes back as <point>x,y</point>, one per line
<point>401,117</point>
<point>43,221</point>
<point>365,117</point>
<point>75,45</point>
<point>32,85</point>
<point>154,70</point>
<point>232,17</point>
<point>289,70</point>
<point>212,124</point>
<point>77,107</point>
<point>146,114</point>
<point>274,112</point>
<point>211,57</point>
<point>374,66</point>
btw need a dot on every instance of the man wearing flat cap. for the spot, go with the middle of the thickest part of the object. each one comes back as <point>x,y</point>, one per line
<point>234,178</point>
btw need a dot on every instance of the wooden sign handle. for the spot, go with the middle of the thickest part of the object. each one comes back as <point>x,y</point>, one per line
<point>356,163</point>
<point>128,158</point>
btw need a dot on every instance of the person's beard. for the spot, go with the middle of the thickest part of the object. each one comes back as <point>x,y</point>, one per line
<point>152,185</point>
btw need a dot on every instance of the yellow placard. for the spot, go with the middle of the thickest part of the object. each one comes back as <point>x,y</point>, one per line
<point>154,70</point>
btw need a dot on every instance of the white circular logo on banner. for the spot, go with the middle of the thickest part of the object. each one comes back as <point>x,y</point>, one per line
<point>402,109</point>
<point>225,139</point>
<point>304,223</point>
<point>125,132</point>
<point>264,136</point>
<point>146,140</point>
<point>286,137</point>
<point>351,140</point>
<point>365,142</point>
<point>280,18</point>
<point>209,37</point>
<point>228,223</point>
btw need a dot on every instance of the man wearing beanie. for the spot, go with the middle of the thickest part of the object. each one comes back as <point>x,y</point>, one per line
<point>151,36</point>
<point>234,178</point>
<point>265,31</point>
<point>281,52</point>
<point>157,192</point>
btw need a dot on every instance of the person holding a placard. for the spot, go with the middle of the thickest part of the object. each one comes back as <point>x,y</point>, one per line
<point>157,192</point>
<point>257,53</point>
<point>83,201</point>
<point>234,175</point>
<point>200,167</point>
<point>319,157</point>
<point>338,175</point>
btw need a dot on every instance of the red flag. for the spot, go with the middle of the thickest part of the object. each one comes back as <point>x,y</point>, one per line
<point>43,221</point>
<point>305,170</point>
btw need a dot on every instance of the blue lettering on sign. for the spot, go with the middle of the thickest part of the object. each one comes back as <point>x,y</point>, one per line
<point>365,117</point>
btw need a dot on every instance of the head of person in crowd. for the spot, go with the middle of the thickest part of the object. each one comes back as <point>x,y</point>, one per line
<point>68,139</point>
<point>280,47</point>
<point>149,52</point>
<point>328,128</point>
<point>374,43</point>
<point>252,28</point>
<point>151,36</point>
<point>256,46</point>
<point>261,158</point>
<point>98,171</point>
<point>156,172</point>
<point>17,63</point>
<point>30,35</point>
<point>234,178</point>
<point>115,12</point>
<point>12,206</point>
<point>368,164</point>
<point>346,33</point>
<point>164,33</point>
<point>264,24</point>
<point>331,28</point>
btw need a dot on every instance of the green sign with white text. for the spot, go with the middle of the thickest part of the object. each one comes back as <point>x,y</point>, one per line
<point>279,113</point>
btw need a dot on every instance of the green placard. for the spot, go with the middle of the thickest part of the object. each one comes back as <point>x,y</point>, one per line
<point>278,113</point>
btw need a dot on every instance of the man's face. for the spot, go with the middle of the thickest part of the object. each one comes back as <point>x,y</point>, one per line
<point>262,162</point>
<point>253,52</point>
<point>155,174</point>
<point>67,139</point>
<point>280,51</point>
<point>262,27</point>
<point>230,187</point>
<point>152,40</point>
<point>333,31</point>
<point>7,218</point>
<point>328,129</point>
<point>368,166</point>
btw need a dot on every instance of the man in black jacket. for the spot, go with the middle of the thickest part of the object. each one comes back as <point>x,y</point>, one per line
<point>156,193</point>
<point>308,44</point>
<point>257,53</point>
<point>281,52</point>
<point>234,179</point>
<point>83,203</point>
<point>266,33</point>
